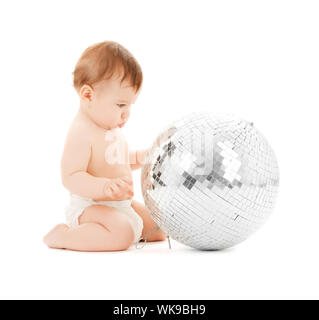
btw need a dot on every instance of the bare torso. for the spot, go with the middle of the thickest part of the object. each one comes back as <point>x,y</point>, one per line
<point>109,157</point>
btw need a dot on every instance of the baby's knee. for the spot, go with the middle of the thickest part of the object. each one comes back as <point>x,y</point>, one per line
<point>123,235</point>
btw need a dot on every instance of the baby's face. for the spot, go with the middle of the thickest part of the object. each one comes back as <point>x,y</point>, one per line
<point>111,102</point>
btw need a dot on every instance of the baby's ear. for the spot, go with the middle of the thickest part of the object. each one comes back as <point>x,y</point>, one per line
<point>86,92</point>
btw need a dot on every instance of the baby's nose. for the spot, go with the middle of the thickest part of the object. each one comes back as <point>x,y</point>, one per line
<point>125,115</point>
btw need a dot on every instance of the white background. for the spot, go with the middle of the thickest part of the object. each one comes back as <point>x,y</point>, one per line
<point>256,59</point>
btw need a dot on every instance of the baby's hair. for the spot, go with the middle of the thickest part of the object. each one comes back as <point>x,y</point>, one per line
<point>101,60</point>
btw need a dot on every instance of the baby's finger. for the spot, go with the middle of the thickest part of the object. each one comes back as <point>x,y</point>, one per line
<point>114,188</point>
<point>121,184</point>
<point>109,193</point>
<point>127,188</point>
<point>127,179</point>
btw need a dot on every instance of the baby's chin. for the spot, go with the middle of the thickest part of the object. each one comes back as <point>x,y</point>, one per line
<point>110,127</point>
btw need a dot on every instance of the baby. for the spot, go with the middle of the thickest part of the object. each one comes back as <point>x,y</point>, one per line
<point>96,163</point>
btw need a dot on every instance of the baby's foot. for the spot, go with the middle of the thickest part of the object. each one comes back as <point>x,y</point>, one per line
<point>54,238</point>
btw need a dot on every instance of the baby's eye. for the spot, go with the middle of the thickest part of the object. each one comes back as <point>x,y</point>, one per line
<point>121,105</point>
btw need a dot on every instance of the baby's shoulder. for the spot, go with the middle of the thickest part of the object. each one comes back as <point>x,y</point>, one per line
<point>80,131</point>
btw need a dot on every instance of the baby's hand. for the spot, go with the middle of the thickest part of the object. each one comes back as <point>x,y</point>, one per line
<point>119,189</point>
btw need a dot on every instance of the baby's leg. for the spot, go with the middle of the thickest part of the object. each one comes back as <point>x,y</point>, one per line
<point>101,228</point>
<point>150,230</point>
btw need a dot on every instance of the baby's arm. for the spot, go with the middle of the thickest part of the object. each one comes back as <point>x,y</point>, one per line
<point>137,158</point>
<point>74,163</point>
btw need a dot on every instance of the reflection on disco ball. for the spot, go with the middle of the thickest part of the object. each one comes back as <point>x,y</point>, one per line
<point>210,180</point>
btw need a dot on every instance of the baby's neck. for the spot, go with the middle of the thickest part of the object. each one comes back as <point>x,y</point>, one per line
<point>84,116</point>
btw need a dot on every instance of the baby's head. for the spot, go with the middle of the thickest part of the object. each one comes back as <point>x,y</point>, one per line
<point>108,80</point>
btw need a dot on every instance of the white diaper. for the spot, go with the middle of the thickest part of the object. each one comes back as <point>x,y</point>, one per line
<point>78,204</point>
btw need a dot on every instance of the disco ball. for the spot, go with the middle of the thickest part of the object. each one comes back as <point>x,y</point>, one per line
<point>210,181</point>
